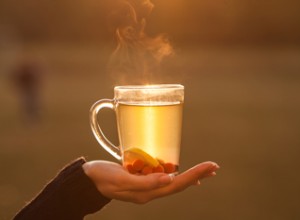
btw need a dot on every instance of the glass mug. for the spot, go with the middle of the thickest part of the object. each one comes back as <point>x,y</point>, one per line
<point>149,121</point>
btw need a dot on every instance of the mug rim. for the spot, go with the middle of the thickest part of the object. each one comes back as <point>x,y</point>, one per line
<point>149,86</point>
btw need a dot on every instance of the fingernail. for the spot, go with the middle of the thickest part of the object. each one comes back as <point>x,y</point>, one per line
<point>172,176</point>
<point>166,179</point>
<point>215,166</point>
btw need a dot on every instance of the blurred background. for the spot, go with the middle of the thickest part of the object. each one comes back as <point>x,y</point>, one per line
<point>239,62</point>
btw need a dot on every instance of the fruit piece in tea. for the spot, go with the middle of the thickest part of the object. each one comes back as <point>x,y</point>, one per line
<point>147,170</point>
<point>158,169</point>
<point>169,167</point>
<point>138,164</point>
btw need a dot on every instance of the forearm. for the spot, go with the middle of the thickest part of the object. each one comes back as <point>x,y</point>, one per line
<point>70,195</point>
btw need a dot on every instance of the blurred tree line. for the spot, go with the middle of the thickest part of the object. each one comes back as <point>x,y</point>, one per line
<point>205,21</point>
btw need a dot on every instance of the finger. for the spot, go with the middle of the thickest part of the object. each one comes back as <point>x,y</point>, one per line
<point>186,179</point>
<point>197,183</point>
<point>192,175</point>
<point>210,174</point>
<point>145,182</point>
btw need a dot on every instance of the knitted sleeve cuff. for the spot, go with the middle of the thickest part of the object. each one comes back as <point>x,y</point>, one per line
<point>70,195</point>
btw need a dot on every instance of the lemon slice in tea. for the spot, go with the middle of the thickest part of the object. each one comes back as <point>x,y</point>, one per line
<point>134,153</point>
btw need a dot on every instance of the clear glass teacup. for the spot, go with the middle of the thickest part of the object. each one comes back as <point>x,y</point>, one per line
<point>149,121</point>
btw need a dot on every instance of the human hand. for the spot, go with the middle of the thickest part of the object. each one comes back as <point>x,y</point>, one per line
<point>115,182</point>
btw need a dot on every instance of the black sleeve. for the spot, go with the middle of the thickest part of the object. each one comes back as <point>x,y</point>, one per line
<point>70,195</point>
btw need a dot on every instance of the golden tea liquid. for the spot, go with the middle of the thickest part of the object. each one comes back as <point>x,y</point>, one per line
<point>154,128</point>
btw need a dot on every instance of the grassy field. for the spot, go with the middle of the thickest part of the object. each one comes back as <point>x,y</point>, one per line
<point>241,110</point>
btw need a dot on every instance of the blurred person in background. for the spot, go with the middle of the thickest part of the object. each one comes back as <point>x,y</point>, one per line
<point>26,78</point>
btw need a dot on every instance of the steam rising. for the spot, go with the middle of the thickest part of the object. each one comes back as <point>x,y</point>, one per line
<point>137,56</point>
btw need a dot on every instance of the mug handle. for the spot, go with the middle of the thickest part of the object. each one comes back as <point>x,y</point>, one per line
<point>103,141</point>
